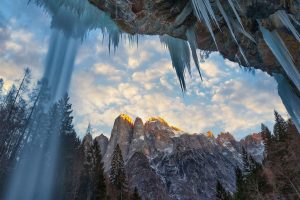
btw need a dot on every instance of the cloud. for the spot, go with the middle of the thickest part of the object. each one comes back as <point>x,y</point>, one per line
<point>140,81</point>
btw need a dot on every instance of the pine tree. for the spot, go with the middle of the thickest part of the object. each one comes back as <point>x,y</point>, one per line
<point>84,180</point>
<point>117,172</point>
<point>267,137</point>
<point>89,130</point>
<point>240,185</point>
<point>222,194</point>
<point>136,195</point>
<point>246,163</point>
<point>280,127</point>
<point>98,178</point>
<point>1,88</point>
<point>68,147</point>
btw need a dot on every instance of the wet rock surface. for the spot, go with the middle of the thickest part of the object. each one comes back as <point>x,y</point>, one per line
<point>158,17</point>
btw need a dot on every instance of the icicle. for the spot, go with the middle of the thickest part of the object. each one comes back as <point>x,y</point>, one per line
<point>282,54</point>
<point>180,55</point>
<point>236,13</point>
<point>243,31</point>
<point>203,11</point>
<point>294,19</point>
<point>230,29</point>
<point>285,20</point>
<point>237,3</point>
<point>211,12</point>
<point>190,34</point>
<point>244,56</point>
<point>238,60</point>
<point>289,98</point>
<point>184,14</point>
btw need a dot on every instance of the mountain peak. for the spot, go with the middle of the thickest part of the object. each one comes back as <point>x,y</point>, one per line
<point>210,134</point>
<point>157,119</point>
<point>138,121</point>
<point>126,118</point>
<point>225,137</point>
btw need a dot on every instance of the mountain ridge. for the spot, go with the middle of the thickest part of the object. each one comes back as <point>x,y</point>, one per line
<point>174,163</point>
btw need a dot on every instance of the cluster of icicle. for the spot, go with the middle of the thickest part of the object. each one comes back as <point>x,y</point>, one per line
<point>202,9</point>
<point>89,17</point>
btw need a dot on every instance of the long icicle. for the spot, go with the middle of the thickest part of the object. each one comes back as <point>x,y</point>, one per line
<point>230,29</point>
<point>282,54</point>
<point>290,100</point>
<point>184,14</point>
<point>238,28</point>
<point>236,13</point>
<point>180,56</point>
<point>190,34</point>
<point>202,13</point>
<point>284,18</point>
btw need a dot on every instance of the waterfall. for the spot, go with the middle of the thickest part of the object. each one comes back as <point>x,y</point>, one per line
<point>60,63</point>
<point>33,174</point>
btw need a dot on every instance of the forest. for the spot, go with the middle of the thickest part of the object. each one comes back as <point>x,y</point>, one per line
<point>29,123</point>
<point>278,176</point>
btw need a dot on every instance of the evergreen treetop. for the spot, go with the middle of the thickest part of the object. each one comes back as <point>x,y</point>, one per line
<point>117,172</point>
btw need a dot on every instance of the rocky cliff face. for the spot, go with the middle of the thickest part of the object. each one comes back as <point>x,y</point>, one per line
<point>175,17</point>
<point>254,145</point>
<point>121,134</point>
<point>263,34</point>
<point>165,163</point>
<point>102,142</point>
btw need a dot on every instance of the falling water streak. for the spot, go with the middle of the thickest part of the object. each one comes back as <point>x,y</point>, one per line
<point>33,177</point>
<point>289,98</point>
<point>48,168</point>
<point>60,64</point>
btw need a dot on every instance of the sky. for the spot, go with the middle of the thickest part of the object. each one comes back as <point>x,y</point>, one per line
<point>139,80</point>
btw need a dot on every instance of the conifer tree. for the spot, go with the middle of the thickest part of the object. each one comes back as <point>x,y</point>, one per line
<point>136,195</point>
<point>240,187</point>
<point>117,172</point>
<point>280,127</point>
<point>1,86</point>
<point>84,188</point>
<point>98,178</point>
<point>267,137</point>
<point>246,163</point>
<point>222,194</point>
<point>69,144</point>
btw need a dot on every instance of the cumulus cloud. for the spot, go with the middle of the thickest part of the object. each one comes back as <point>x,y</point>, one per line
<point>231,100</point>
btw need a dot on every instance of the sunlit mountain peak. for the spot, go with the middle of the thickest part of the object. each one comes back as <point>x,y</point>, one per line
<point>126,118</point>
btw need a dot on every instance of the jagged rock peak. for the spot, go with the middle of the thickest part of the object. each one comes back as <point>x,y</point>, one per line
<point>157,119</point>
<point>160,122</point>
<point>126,118</point>
<point>254,145</point>
<point>87,139</point>
<point>254,137</point>
<point>101,137</point>
<point>138,122</point>
<point>225,137</point>
<point>210,134</point>
<point>102,141</point>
